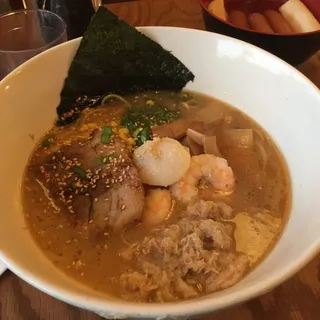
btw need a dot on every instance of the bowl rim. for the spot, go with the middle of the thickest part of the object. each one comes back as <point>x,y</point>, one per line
<point>126,309</point>
<point>291,35</point>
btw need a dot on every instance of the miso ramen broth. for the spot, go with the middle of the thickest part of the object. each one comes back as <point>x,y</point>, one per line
<point>112,209</point>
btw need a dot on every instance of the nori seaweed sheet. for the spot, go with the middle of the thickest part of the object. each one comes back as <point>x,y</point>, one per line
<point>113,57</point>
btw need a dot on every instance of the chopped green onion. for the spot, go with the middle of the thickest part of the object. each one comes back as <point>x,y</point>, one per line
<point>136,132</point>
<point>106,135</point>
<point>79,171</point>
<point>47,141</point>
<point>139,120</point>
<point>145,135</point>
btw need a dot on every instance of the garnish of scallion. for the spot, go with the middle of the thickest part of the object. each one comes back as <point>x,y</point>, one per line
<point>79,171</point>
<point>106,135</point>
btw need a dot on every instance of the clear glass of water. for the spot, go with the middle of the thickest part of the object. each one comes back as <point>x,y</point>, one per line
<point>26,33</point>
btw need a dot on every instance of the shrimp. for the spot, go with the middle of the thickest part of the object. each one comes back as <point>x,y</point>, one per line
<point>161,162</point>
<point>208,167</point>
<point>158,207</point>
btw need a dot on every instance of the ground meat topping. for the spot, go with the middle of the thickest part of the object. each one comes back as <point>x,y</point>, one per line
<point>182,260</point>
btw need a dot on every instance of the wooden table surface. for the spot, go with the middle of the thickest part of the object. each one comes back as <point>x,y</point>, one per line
<point>296,299</point>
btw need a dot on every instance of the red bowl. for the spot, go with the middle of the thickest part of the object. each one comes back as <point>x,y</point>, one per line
<point>293,48</point>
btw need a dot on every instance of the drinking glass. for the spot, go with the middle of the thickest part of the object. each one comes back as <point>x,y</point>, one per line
<point>26,33</point>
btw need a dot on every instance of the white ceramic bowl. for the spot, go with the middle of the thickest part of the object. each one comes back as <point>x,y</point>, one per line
<point>282,100</point>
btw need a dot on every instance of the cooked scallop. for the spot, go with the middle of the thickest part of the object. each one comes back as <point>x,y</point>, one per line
<point>162,161</point>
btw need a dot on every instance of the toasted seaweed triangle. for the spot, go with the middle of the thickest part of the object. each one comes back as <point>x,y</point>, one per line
<point>113,57</point>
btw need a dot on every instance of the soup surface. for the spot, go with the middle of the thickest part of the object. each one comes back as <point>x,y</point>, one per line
<point>163,219</point>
